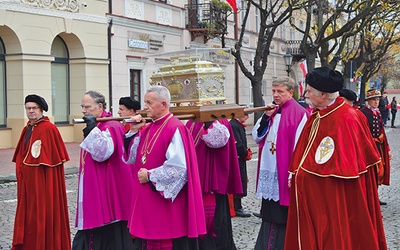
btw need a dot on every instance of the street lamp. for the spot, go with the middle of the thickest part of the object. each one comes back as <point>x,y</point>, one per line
<point>288,61</point>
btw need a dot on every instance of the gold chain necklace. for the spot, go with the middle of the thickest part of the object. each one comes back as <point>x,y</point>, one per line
<point>197,138</point>
<point>83,158</point>
<point>148,145</point>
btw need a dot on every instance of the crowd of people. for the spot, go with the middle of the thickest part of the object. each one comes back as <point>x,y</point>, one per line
<point>166,185</point>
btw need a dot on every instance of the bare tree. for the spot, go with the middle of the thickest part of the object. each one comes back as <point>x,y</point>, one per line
<point>272,14</point>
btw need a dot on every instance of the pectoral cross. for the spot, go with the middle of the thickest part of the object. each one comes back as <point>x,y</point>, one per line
<point>272,149</point>
<point>144,159</point>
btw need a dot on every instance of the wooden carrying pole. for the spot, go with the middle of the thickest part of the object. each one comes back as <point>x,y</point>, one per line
<point>194,113</point>
<point>128,119</point>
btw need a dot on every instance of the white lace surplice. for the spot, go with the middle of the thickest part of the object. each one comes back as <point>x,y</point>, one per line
<point>217,136</point>
<point>133,150</point>
<point>170,178</point>
<point>268,185</point>
<point>99,144</point>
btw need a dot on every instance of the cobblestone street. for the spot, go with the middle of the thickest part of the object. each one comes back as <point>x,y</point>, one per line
<point>245,229</point>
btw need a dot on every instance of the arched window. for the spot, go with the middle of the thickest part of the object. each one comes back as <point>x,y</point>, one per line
<point>60,81</point>
<point>3,101</point>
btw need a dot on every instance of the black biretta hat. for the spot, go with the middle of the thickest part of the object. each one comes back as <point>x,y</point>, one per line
<point>348,94</point>
<point>37,99</point>
<point>129,102</point>
<point>325,79</point>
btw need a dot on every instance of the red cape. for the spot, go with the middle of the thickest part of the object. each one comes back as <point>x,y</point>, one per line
<point>334,198</point>
<point>41,220</point>
<point>46,146</point>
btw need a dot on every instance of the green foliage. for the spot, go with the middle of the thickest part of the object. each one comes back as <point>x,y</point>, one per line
<point>218,18</point>
<point>220,6</point>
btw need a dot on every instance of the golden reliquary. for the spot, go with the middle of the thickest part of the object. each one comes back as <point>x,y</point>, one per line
<point>191,80</point>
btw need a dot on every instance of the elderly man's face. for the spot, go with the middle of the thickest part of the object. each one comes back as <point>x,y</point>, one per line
<point>90,107</point>
<point>154,108</point>
<point>373,102</point>
<point>314,98</point>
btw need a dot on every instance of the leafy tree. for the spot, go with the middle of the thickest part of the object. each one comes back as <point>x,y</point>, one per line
<point>219,13</point>
<point>377,37</point>
<point>329,25</point>
<point>392,67</point>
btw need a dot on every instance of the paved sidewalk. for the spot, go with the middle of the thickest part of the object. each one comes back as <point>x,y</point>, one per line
<point>7,167</point>
<point>245,230</point>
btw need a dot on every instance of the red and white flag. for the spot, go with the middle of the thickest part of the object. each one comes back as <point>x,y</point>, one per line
<point>303,66</point>
<point>235,4</point>
<point>301,89</point>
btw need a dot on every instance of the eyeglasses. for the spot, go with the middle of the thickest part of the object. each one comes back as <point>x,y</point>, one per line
<point>32,108</point>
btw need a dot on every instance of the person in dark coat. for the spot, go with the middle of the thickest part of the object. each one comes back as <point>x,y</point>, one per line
<point>393,110</point>
<point>383,109</point>
<point>244,154</point>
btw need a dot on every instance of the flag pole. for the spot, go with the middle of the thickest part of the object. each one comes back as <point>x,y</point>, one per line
<point>236,63</point>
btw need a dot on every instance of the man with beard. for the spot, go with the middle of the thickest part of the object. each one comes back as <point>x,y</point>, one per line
<point>331,195</point>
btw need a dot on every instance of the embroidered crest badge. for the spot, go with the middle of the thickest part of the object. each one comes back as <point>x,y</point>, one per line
<point>325,150</point>
<point>36,146</point>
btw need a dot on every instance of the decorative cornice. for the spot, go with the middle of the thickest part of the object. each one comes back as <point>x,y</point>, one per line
<point>64,5</point>
<point>145,25</point>
<point>19,7</point>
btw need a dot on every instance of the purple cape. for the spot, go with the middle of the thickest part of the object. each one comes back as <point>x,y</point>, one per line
<point>107,186</point>
<point>292,114</point>
<point>218,167</point>
<point>153,216</point>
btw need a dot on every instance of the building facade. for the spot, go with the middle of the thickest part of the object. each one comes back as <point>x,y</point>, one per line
<point>61,49</point>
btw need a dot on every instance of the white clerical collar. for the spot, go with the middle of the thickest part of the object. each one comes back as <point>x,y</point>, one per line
<point>332,102</point>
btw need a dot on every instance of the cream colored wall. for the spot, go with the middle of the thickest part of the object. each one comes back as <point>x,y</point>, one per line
<point>28,59</point>
<point>5,135</point>
<point>125,58</point>
<point>175,38</point>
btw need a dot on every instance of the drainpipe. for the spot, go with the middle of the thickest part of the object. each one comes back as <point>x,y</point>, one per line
<point>109,34</point>
<point>236,63</point>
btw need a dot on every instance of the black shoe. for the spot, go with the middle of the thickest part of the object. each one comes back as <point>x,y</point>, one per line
<point>393,127</point>
<point>383,203</point>
<point>242,213</point>
<point>257,215</point>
